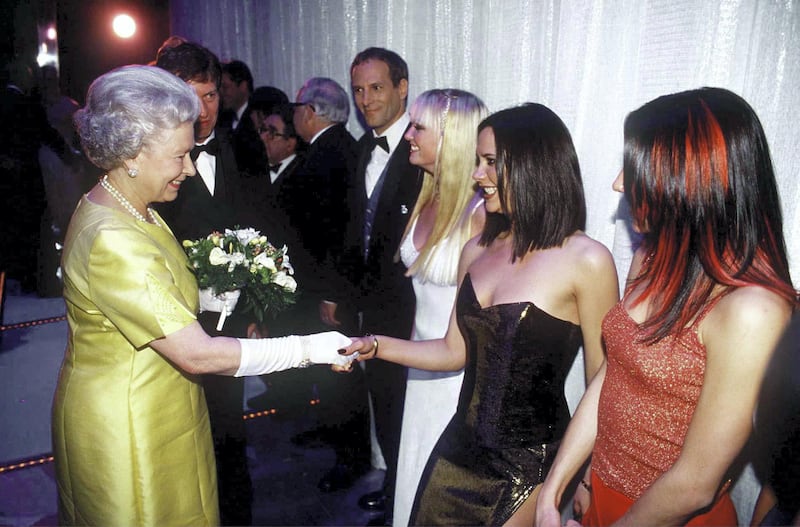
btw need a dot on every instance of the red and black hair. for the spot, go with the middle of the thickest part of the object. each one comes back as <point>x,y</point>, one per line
<point>699,179</point>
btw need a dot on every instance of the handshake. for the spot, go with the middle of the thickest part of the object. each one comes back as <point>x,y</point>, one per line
<point>260,356</point>
<point>321,345</point>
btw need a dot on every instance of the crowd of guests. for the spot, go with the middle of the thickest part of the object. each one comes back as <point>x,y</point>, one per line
<point>44,173</point>
<point>453,241</point>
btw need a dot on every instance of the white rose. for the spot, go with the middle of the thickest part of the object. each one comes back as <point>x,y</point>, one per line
<point>285,281</point>
<point>217,256</point>
<point>265,261</point>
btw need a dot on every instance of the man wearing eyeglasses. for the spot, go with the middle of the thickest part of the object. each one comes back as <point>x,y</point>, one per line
<point>287,391</point>
<point>281,142</point>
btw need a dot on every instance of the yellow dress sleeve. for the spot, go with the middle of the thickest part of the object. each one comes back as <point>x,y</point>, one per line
<point>136,283</point>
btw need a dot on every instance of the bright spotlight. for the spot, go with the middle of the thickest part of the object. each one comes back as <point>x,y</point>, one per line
<point>124,26</point>
<point>51,33</point>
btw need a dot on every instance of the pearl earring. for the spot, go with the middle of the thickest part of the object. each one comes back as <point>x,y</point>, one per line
<point>133,172</point>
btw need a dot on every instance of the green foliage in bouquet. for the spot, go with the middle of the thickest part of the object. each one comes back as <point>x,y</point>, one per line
<point>244,259</point>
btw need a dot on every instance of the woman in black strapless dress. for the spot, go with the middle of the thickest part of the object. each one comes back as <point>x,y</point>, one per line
<point>533,288</point>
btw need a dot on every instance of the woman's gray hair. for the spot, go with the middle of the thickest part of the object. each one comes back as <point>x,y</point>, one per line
<point>329,99</point>
<point>127,108</point>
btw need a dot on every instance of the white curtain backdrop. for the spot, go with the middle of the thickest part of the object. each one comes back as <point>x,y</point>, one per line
<point>592,62</point>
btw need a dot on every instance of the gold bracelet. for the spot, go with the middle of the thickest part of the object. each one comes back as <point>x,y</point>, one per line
<point>375,344</point>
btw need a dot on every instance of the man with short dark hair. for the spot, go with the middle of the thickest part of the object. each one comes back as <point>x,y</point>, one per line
<point>214,200</point>
<point>383,194</point>
<point>281,143</point>
<point>236,88</point>
<point>265,100</point>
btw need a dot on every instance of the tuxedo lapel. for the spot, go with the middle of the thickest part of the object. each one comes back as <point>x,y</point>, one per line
<point>396,170</point>
<point>393,173</point>
<point>227,172</point>
<point>365,154</point>
<point>286,172</point>
<point>219,179</point>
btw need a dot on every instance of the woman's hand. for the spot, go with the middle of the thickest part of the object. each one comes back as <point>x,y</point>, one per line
<point>547,514</point>
<point>366,347</point>
<point>583,495</point>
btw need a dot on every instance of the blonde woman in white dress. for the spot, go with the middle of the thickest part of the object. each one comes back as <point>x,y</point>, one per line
<point>442,135</point>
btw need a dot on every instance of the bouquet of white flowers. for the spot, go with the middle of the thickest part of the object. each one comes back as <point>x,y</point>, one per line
<point>242,260</point>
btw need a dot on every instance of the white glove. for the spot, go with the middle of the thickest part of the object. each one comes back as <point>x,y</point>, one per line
<point>323,348</point>
<point>276,354</point>
<point>221,303</point>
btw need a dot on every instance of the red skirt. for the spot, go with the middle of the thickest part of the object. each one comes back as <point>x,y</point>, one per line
<point>609,505</point>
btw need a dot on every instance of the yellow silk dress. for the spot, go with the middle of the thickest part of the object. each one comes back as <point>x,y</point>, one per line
<point>131,436</point>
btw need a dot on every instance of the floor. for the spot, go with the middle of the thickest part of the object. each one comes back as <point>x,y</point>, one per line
<point>284,476</point>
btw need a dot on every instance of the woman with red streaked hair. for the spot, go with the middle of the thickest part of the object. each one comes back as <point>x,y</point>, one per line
<point>706,301</point>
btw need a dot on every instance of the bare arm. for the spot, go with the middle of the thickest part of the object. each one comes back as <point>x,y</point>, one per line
<point>445,354</point>
<point>193,351</point>
<point>739,336</point>
<point>596,292</point>
<point>575,449</point>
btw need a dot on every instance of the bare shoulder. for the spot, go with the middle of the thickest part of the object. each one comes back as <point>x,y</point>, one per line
<point>588,254</point>
<point>472,249</point>
<point>752,305</point>
<point>746,313</point>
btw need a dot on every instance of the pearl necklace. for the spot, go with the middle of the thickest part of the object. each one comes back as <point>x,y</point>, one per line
<point>106,184</point>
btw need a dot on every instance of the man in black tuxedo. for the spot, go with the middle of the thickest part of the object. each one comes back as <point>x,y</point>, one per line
<point>316,204</point>
<point>284,151</point>
<point>236,87</point>
<point>382,196</point>
<point>213,200</point>
<point>287,391</point>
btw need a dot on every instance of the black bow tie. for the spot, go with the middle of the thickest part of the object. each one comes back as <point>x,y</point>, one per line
<point>275,168</point>
<point>211,148</point>
<point>379,141</point>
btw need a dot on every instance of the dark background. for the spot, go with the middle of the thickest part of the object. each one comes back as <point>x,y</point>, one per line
<point>87,46</point>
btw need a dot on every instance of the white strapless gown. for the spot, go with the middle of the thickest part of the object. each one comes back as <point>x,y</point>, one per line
<point>431,397</point>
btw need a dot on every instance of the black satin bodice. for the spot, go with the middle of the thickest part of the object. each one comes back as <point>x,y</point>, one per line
<point>518,357</point>
<point>511,414</point>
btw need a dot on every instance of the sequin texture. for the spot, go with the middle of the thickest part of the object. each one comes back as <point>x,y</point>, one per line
<point>648,398</point>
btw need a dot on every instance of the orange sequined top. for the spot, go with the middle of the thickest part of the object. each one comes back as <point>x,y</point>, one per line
<point>647,401</point>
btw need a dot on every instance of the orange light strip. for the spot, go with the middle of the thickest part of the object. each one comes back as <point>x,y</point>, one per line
<point>33,323</point>
<point>46,458</point>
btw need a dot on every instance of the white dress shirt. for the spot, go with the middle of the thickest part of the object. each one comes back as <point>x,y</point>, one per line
<point>283,164</point>
<point>238,117</point>
<point>206,165</point>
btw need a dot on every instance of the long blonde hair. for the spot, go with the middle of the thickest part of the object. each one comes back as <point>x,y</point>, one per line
<point>454,116</point>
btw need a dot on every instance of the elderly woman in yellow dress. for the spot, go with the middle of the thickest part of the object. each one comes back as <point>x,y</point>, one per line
<point>130,425</point>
